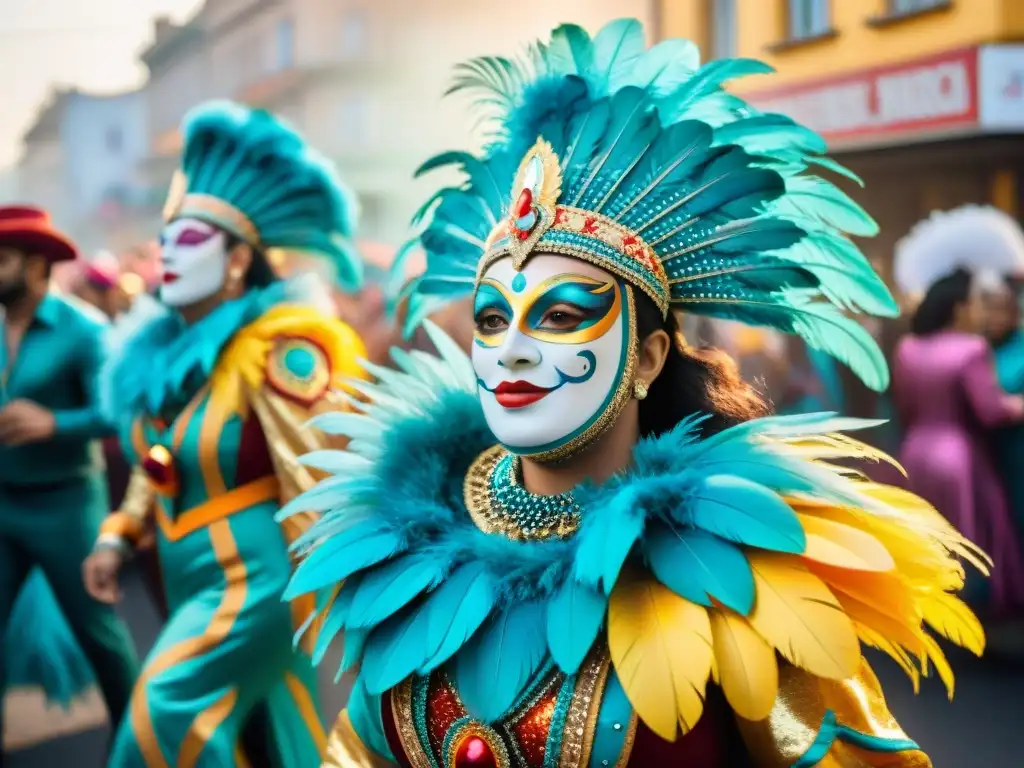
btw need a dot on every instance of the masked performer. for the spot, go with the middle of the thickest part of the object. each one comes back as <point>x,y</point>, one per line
<point>579,549</point>
<point>215,392</point>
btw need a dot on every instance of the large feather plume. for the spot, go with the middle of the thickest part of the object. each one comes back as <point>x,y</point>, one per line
<point>724,194</point>
<point>704,561</point>
<point>978,238</point>
<point>259,164</point>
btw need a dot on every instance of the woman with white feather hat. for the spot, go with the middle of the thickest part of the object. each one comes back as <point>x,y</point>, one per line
<point>945,384</point>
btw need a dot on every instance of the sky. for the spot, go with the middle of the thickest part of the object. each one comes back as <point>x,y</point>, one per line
<point>91,44</point>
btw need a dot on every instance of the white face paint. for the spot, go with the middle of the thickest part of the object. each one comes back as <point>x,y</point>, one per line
<point>551,352</point>
<point>194,258</point>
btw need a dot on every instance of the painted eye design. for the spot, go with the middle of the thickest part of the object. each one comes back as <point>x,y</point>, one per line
<point>193,236</point>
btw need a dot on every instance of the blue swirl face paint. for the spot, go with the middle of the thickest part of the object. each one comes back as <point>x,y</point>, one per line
<point>553,352</point>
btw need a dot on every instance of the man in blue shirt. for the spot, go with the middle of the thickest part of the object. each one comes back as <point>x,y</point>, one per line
<point>52,490</point>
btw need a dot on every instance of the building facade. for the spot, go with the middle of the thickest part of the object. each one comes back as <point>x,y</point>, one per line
<point>923,99</point>
<point>81,159</point>
<point>362,79</point>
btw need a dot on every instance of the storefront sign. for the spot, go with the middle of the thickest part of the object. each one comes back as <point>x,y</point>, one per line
<point>1001,75</point>
<point>934,95</point>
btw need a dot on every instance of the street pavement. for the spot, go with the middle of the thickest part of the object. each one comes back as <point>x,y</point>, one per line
<point>982,727</point>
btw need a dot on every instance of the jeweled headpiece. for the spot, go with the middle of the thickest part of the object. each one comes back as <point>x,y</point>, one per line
<point>638,161</point>
<point>252,175</point>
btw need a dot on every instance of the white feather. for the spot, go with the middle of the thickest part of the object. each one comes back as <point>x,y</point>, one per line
<point>977,238</point>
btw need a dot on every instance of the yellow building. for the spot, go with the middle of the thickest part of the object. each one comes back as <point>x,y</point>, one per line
<point>924,99</point>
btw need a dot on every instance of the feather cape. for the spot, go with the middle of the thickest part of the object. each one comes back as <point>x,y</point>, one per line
<point>157,361</point>
<point>706,560</point>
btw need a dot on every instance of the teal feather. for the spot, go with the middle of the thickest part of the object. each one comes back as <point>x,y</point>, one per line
<point>358,547</point>
<point>570,51</point>
<point>366,715</point>
<point>738,510</point>
<point>618,48</point>
<point>385,590</point>
<point>493,670</point>
<point>603,551</point>
<point>329,461</point>
<point>355,645</point>
<point>454,611</point>
<point>261,166</point>
<point>699,566</point>
<point>666,67</point>
<point>575,615</point>
<point>394,650</point>
<point>335,619</point>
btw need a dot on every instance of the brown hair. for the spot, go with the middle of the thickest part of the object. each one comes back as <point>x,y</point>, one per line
<point>694,381</point>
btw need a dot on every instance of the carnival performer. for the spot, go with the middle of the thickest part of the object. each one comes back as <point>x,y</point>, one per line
<point>52,492</point>
<point>583,548</point>
<point>948,398</point>
<point>215,392</point>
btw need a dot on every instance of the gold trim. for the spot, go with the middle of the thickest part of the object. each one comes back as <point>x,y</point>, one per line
<point>581,719</point>
<point>476,490</point>
<point>401,711</point>
<point>203,727</point>
<point>223,214</point>
<point>228,557</point>
<point>625,241</point>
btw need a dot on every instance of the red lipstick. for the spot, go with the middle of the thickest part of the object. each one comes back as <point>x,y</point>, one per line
<point>170,277</point>
<point>518,394</point>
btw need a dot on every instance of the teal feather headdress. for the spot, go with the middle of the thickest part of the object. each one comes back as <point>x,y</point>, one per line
<point>252,175</point>
<point>639,161</point>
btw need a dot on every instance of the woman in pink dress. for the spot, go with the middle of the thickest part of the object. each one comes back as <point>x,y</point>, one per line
<point>949,401</point>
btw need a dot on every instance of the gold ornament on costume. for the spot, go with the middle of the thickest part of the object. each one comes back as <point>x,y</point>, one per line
<point>535,195</point>
<point>640,389</point>
<point>175,195</point>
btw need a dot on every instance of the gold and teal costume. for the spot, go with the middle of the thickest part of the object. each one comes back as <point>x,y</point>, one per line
<point>705,606</point>
<point>214,420</point>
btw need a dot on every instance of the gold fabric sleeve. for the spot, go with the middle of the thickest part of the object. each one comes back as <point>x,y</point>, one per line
<point>284,426</point>
<point>346,750</point>
<point>133,519</point>
<point>785,737</point>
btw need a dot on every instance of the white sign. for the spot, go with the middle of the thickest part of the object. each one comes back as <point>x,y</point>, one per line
<point>1001,90</point>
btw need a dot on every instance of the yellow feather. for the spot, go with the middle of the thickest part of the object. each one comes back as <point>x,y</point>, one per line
<point>798,615</point>
<point>662,650</point>
<point>886,593</point>
<point>938,658</point>
<point>843,546</point>
<point>870,637</point>
<point>950,617</point>
<point>747,667</point>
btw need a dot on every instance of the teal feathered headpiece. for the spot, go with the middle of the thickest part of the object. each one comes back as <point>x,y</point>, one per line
<point>252,175</point>
<point>638,160</point>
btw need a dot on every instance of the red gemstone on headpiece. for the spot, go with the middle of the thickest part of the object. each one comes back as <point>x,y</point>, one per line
<point>474,752</point>
<point>524,204</point>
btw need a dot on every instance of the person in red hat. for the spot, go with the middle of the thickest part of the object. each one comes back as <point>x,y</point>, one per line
<point>53,494</point>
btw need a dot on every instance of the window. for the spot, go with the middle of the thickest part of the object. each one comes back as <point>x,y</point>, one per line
<point>808,18</point>
<point>353,34</point>
<point>909,6</point>
<point>722,28</point>
<point>114,139</point>
<point>284,44</point>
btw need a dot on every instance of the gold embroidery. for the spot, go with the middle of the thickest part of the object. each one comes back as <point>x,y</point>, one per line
<point>581,718</point>
<point>401,708</point>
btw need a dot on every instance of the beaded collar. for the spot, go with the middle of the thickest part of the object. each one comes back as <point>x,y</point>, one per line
<point>498,502</point>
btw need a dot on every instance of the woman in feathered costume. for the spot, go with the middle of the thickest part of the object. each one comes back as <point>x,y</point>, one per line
<point>581,548</point>
<point>213,394</point>
<point>949,398</point>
